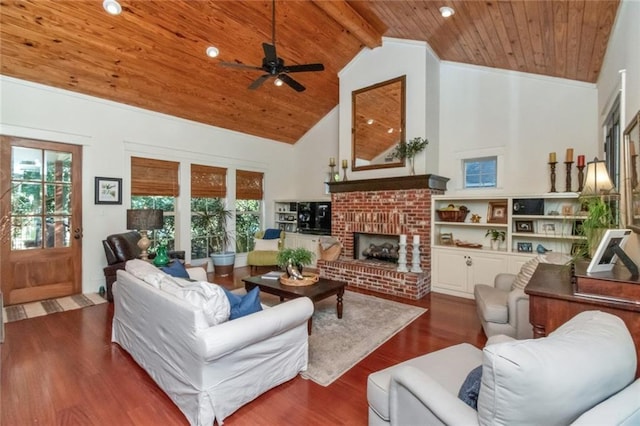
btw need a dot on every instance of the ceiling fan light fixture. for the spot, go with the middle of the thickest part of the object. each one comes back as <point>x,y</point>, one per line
<point>278,82</point>
<point>212,51</point>
<point>446,11</point>
<point>112,7</point>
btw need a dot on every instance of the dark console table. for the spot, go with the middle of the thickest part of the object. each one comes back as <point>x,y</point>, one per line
<point>552,299</point>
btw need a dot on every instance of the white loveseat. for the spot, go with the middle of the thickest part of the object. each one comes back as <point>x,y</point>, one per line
<point>582,373</point>
<point>208,371</point>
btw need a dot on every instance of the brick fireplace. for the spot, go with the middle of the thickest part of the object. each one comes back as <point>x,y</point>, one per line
<point>388,206</point>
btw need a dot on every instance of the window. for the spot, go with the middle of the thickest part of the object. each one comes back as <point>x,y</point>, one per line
<point>208,193</point>
<point>480,172</point>
<point>154,185</point>
<point>248,208</point>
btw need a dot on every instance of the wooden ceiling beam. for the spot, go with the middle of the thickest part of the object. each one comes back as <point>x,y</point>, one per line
<point>352,21</point>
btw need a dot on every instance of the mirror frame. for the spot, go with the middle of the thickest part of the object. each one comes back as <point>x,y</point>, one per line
<point>631,138</point>
<point>354,113</point>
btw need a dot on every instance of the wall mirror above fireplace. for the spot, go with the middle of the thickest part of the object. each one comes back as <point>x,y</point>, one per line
<point>377,124</point>
<point>632,185</point>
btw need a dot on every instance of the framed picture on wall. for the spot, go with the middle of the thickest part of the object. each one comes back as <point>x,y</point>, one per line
<point>108,190</point>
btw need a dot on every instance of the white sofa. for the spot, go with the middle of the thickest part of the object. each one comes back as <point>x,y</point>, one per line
<point>582,373</point>
<point>208,371</point>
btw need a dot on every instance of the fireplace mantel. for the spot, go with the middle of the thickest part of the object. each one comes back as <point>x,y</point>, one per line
<point>392,183</point>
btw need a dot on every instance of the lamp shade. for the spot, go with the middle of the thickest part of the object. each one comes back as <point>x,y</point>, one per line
<point>144,219</point>
<point>597,180</point>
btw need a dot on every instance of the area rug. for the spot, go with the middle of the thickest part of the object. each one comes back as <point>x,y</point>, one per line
<point>336,345</point>
<point>50,306</point>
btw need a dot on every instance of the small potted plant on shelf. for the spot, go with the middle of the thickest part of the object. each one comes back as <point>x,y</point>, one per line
<point>293,260</point>
<point>409,150</point>
<point>497,237</point>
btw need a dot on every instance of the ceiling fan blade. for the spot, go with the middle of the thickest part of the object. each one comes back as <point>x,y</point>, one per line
<point>292,83</point>
<point>258,81</point>
<point>304,68</point>
<point>241,66</point>
<point>270,52</point>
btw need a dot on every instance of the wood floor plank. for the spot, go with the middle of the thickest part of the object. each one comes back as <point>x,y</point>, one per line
<point>63,369</point>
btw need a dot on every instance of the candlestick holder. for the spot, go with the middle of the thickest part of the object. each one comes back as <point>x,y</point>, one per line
<point>568,178</point>
<point>580,177</point>
<point>402,257</point>
<point>552,164</point>
<point>415,259</point>
<point>344,173</point>
<point>333,173</point>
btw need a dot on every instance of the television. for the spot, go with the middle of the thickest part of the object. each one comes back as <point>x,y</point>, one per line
<point>610,250</point>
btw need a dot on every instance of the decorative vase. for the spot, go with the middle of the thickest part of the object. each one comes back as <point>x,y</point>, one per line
<point>161,258</point>
<point>412,170</point>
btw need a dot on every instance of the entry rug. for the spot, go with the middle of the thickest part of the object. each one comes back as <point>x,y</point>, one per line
<point>50,306</point>
<point>336,345</point>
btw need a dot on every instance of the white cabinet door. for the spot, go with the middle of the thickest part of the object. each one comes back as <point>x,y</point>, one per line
<point>449,270</point>
<point>484,268</point>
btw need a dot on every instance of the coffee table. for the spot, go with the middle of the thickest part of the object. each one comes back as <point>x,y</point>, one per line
<point>316,292</point>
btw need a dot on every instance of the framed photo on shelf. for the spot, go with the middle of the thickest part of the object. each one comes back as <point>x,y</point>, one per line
<point>567,210</point>
<point>524,225</point>
<point>108,190</point>
<point>497,212</point>
<point>525,247</point>
<point>549,227</point>
<point>577,228</point>
<point>446,239</point>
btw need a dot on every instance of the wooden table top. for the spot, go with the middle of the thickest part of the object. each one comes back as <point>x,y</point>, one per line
<point>317,291</point>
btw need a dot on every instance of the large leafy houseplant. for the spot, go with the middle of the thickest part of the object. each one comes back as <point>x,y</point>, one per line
<point>599,218</point>
<point>219,238</point>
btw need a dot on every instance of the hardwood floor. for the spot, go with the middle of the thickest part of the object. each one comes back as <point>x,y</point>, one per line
<point>62,369</point>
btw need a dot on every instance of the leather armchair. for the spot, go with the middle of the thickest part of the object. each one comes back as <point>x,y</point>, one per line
<point>582,373</point>
<point>504,307</point>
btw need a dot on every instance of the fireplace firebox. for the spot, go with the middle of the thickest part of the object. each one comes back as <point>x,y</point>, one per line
<point>376,247</point>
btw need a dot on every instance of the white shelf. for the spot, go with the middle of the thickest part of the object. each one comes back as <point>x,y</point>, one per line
<point>546,236</point>
<point>471,224</point>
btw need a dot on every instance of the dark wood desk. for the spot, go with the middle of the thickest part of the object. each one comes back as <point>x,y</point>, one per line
<point>552,302</point>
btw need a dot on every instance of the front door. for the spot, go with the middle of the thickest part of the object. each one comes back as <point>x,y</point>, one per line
<point>40,219</point>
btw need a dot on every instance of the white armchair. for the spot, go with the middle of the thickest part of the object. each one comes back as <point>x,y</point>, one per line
<point>583,372</point>
<point>504,307</point>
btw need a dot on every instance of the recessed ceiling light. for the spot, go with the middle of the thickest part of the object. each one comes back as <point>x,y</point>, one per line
<point>112,7</point>
<point>446,11</point>
<point>278,82</point>
<point>212,51</point>
<point>390,130</point>
<point>370,121</point>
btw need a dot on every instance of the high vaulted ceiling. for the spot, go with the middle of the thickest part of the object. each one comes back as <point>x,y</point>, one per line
<point>153,55</point>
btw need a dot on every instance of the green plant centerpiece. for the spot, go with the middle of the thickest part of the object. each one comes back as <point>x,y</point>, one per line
<point>219,237</point>
<point>409,150</point>
<point>497,237</point>
<point>293,260</point>
<point>599,217</point>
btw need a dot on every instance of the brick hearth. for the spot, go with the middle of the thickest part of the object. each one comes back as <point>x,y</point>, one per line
<point>390,206</point>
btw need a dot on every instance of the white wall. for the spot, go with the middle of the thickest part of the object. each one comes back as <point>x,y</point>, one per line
<point>623,53</point>
<point>518,117</point>
<point>393,59</point>
<point>111,133</point>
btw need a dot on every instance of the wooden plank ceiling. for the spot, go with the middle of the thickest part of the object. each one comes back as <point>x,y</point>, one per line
<point>153,55</point>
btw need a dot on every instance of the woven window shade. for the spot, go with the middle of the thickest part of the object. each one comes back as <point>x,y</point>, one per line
<point>248,185</point>
<point>154,177</point>
<point>208,182</point>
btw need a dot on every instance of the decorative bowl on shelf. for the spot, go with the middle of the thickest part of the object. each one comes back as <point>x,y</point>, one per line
<point>455,214</point>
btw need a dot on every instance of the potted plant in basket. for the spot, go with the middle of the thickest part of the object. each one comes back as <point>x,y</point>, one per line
<point>294,257</point>
<point>497,237</point>
<point>219,238</point>
<point>409,150</point>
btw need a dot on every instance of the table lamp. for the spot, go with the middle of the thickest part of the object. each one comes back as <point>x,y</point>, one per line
<point>143,220</point>
<point>597,181</point>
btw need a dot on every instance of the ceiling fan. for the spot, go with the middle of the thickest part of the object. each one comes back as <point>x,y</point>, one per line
<point>274,66</point>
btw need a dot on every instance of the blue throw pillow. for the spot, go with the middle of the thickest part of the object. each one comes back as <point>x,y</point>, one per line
<point>176,269</point>
<point>471,388</point>
<point>243,305</point>
<point>271,234</point>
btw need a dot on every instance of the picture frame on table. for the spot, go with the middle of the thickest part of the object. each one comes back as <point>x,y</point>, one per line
<point>525,247</point>
<point>497,212</point>
<point>524,226</point>
<point>108,190</point>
